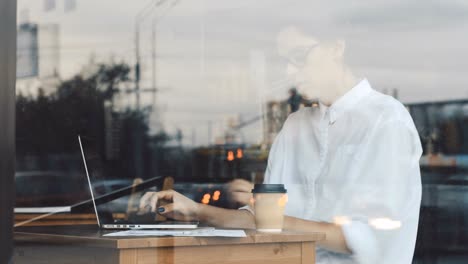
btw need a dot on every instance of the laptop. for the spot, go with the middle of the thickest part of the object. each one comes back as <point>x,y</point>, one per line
<point>104,217</point>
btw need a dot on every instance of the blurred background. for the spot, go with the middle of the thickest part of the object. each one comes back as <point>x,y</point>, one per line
<point>195,90</point>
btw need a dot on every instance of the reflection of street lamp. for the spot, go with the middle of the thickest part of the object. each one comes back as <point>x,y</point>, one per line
<point>138,19</point>
<point>230,155</point>
<point>153,47</point>
<point>138,131</point>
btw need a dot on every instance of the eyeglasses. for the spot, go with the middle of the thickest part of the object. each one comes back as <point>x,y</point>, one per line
<point>298,55</point>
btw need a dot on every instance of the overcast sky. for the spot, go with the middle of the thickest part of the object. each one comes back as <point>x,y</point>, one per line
<point>218,58</point>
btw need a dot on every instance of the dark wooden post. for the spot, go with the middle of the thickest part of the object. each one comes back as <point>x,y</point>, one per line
<point>7,125</point>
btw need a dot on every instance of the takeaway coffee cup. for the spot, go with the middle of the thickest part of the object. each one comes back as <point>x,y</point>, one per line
<point>269,202</point>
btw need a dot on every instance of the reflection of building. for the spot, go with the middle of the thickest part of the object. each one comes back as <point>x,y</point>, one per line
<point>219,162</point>
<point>232,135</point>
<point>49,47</point>
<point>38,58</point>
<point>276,114</point>
<point>27,54</point>
<point>113,131</point>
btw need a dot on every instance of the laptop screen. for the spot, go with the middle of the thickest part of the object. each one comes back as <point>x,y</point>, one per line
<point>99,181</point>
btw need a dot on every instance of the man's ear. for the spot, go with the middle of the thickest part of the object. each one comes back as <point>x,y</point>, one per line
<point>339,49</point>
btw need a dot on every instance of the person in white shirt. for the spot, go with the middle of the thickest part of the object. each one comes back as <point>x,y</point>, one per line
<point>351,166</point>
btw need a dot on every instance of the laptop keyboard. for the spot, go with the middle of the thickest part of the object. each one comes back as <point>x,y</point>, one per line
<point>134,218</point>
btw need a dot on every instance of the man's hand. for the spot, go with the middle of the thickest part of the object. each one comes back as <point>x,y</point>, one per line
<point>178,207</point>
<point>240,191</point>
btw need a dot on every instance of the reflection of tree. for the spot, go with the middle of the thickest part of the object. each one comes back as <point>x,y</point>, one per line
<point>47,129</point>
<point>110,77</point>
<point>49,125</point>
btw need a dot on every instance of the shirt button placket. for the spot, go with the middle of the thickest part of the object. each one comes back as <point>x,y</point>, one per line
<point>323,141</point>
<point>323,152</point>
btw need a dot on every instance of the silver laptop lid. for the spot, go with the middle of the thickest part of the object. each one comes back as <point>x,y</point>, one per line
<point>89,181</point>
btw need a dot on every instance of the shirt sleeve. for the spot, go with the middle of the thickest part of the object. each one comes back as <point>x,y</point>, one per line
<point>382,204</point>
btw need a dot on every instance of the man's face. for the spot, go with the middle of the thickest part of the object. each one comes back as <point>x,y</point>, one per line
<point>314,66</point>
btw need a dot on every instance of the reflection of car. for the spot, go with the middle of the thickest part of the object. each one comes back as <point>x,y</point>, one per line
<point>49,188</point>
<point>58,188</point>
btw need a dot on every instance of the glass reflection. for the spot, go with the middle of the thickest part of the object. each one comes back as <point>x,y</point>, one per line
<point>199,90</point>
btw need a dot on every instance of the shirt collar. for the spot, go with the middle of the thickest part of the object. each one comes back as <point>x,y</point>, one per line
<point>347,101</point>
<point>323,109</point>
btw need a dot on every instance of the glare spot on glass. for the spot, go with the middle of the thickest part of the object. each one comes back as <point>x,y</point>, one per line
<point>384,223</point>
<point>282,201</point>
<point>341,220</point>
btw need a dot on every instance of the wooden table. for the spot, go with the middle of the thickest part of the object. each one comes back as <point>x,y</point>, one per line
<point>85,244</point>
<point>61,219</point>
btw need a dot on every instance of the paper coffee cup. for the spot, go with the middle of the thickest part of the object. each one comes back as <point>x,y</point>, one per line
<point>269,202</point>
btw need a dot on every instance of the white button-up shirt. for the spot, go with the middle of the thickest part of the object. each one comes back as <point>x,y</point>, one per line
<point>355,163</point>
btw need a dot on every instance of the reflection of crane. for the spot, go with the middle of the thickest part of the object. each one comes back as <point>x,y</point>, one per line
<point>249,122</point>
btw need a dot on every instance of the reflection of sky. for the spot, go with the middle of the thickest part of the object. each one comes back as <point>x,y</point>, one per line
<point>208,50</point>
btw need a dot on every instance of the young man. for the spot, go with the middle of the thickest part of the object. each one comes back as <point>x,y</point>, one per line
<point>351,167</point>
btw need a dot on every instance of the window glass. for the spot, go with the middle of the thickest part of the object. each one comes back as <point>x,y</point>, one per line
<point>199,92</point>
